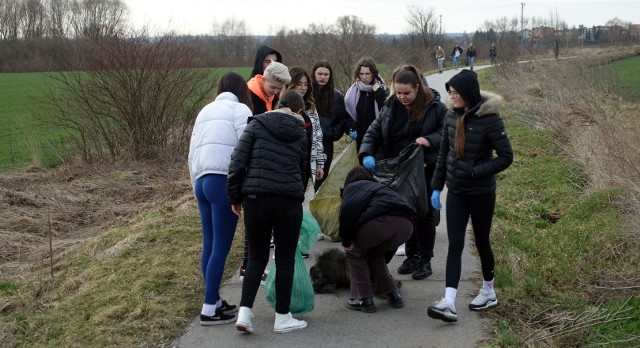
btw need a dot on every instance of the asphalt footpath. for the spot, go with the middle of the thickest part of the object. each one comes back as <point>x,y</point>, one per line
<point>331,324</point>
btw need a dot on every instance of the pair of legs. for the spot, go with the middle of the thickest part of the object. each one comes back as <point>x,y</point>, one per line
<point>366,261</point>
<point>471,61</point>
<point>440,64</point>
<point>456,60</point>
<point>262,215</point>
<point>218,228</point>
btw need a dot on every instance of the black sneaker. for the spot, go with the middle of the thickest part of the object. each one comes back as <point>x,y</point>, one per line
<point>423,270</point>
<point>395,299</point>
<point>409,265</point>
<point>227,308</point>
<point>364,304</point>
<point>305,255</point>
<point>217,319</point>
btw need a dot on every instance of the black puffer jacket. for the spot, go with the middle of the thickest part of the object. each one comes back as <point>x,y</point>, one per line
<point>485,132</point>
<point>270,158</point>
<point>363,201</point>
<point>334,125</point>
<point>376,141</point>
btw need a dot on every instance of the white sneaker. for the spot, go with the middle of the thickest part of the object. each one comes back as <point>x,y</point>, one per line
<point>443,310</point>
<point>401,250</point>
<point>484,300</point>
<point>244,320</point>
<point>287,323</point>
<point>320,236</point>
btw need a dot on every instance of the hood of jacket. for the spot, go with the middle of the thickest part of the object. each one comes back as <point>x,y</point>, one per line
<point>260,54</point>
<point>283,124</point>
<point>490,103</point>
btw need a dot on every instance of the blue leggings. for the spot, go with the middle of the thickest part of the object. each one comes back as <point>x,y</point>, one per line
<point>218,228</point>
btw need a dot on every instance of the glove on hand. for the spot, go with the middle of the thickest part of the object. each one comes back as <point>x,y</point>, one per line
<point>353,134</point>
<point>435,200</point>
<point>369,162</point>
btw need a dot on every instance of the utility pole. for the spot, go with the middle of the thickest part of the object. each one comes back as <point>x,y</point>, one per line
<point>522,20</point>
<point>440,24</point>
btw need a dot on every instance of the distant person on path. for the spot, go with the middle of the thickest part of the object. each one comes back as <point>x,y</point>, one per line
<point>215,134</point>
<point>264,90</point>
<point>301,83</point>
<point>374,220</point>
<point>440,58</point>
<point>492,53</point>
<point>473,130</point>
<point>364,99</point>
<point>265,175</point>
<point>457,52</point>
<point>471,55</point>
<point>414,114</point>
<point>330,104</point>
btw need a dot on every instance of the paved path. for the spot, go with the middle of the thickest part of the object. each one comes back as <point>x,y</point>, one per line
<point>332,325</point>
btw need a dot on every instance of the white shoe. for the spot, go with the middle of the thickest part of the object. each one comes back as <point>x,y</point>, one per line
<point>443,310</point>
<point>320,236</point>
<point>484,300</point>
<point>401,250</point>
<point>287,323</point>
<point>244,320</point>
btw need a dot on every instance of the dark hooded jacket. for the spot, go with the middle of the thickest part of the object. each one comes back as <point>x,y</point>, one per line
<point>260,54</point>
<point>334,124</point>
<point>363,201</point>
<point>269,158</point>
<point>484,132</point>
<point>378,140</point>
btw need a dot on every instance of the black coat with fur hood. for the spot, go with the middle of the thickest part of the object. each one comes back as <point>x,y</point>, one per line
<point>269,158</point>
<point>363,201</point>
<point>484,133</point>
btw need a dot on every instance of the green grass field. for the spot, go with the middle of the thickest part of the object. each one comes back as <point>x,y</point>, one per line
<point>629,72</point>
<point>25,140</point>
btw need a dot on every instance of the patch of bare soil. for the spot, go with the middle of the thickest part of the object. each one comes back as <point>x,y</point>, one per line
<point>74,203</point>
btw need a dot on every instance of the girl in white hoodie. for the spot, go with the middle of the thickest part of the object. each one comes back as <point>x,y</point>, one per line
<point>215,134</point>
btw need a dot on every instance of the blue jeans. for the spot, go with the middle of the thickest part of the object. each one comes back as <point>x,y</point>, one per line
<point>218,228</point>
<point>471,60</point>
<point>456,60</point>
<point>262,215</point>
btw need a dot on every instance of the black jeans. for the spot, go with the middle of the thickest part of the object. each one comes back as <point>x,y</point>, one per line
<point>459,208</point>
<point>423,238</point>
<point>262,215</point>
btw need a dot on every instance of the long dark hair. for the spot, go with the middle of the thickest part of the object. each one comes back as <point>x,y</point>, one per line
<point>296,75</point>
<point>323,95</point>
<point>292,100</point>
<point>232,82</point>
<point>409,75</point>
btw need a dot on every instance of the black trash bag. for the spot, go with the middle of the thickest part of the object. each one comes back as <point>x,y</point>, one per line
<point>405,175</point>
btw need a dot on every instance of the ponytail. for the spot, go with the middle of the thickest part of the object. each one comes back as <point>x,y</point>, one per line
<point>460,136</point>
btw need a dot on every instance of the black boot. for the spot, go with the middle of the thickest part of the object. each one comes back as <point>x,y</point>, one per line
<point>395,299</point>
<point>409,265</point>
<point>364,304</point>
<point>423,270</point>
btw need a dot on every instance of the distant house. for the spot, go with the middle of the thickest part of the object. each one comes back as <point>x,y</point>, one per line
<point>634,32</point>
<point>541,32</point>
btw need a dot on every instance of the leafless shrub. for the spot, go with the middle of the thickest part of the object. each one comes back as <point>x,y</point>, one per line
<point>131,97</point>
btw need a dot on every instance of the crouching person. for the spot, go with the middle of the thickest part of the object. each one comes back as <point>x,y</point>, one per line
<point>374,220</point>
<point>266,177</point>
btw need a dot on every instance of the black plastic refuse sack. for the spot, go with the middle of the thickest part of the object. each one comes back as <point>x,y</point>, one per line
<point>405,175</point>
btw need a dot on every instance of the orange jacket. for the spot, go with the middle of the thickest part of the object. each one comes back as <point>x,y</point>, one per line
<point>255,86</point>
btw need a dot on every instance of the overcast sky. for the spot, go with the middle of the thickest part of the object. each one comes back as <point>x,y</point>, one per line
<point>266,17</point>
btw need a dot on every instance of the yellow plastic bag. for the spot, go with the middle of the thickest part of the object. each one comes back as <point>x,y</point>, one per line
<point>325,206</point>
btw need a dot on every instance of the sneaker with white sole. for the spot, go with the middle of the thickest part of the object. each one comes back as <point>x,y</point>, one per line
<point>218,318</point>
<point>443,310</point>
<point>226,308</point>
<point>244,320</point>
<point>484,300</point>
<point>286,323</point>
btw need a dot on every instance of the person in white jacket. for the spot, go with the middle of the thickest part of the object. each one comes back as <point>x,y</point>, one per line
<point>215,134</point>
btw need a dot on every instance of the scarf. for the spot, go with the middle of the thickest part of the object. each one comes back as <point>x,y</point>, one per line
<point>353,95</point>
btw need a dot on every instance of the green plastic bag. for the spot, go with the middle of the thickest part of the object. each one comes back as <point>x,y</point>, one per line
<point>325,206</point>
<point>302,296</point>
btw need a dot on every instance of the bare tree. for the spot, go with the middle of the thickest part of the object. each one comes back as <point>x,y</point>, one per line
<point>33,19</point>
<point>10,18</point>
<point>508,38</point>
<point>59,18</point>
<point>232,41</point>
<point>560,30</point>
<point>136,97</point>
<point>97,19</point>
<point>425,33</point>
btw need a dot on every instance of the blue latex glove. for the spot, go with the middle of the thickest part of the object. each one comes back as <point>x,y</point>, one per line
<point>435,200</point>
<point>353,134</point>
<point>369,162</point>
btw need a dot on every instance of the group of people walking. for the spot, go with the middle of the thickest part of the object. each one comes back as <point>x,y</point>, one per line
<point>256,146</point>
<point>457,52</point>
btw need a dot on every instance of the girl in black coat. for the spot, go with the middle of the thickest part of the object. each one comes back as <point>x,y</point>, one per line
<point>413,115</point>
<point>473,130</point>
<point>374,220</point>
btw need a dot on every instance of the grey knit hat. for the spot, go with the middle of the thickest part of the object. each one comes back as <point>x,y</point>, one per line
<point>278,72</point>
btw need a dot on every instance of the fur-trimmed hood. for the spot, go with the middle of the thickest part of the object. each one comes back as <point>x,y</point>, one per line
<point>491,104</point>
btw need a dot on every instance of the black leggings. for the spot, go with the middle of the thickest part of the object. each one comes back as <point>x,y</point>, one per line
<point>459,208</point>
